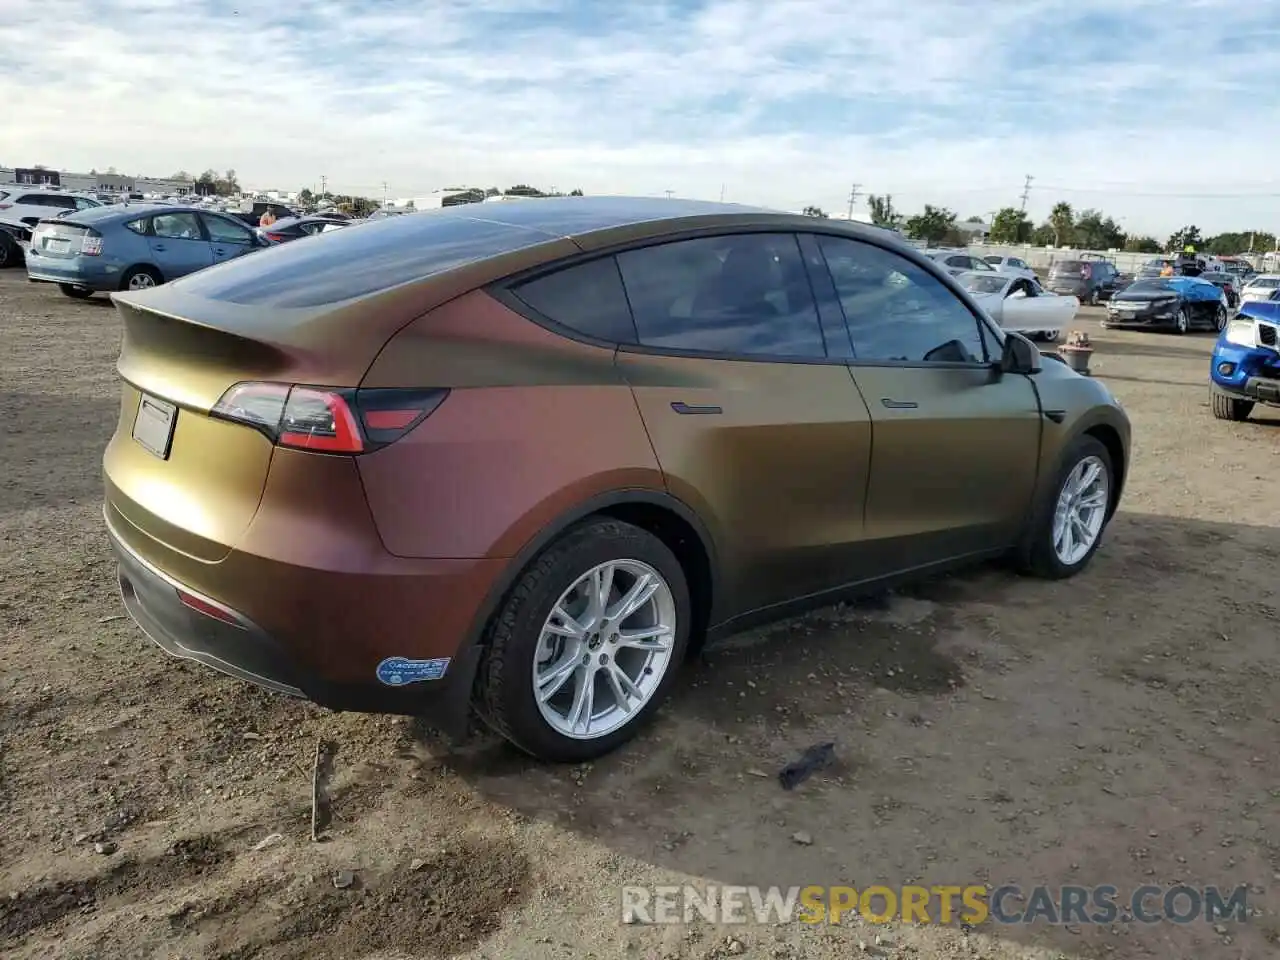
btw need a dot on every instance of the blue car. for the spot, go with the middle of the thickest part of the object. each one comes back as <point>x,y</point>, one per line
<point>1180,304</point>
<point>132,247</point>
<point>1245,369</point>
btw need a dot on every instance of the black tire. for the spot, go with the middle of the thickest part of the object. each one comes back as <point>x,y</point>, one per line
<point>1226,407</point>
<point>10,252</point>
<point>1182,324</point>
<point>132,272</point>
<point>1035,555</point>
<point>75,293</point>
<point>504,696</point>
<point>1220,318</point>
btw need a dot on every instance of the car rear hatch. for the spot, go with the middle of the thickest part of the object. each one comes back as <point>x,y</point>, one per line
<point>63,239</point>
<point>176,471</point>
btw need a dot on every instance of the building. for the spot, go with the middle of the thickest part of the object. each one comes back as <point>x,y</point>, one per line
<point>94,182</point>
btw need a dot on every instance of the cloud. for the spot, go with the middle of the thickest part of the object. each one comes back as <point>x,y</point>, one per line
<point>1132,107</point>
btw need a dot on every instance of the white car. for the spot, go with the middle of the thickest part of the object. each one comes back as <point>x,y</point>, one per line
<point>1020,304</point>
<point>956,262</point>
<point>1013,266</point>
<point>1260,287</point>
<point>28,205</point>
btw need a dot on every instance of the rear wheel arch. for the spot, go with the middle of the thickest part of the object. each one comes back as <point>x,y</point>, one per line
<point>659,513</point>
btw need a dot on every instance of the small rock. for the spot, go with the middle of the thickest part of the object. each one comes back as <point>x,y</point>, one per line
<point>82,838</point>
<point>802,837</point>
<point>105,847</point>
<point>417,863</point>
<point>734,946</point>
<point>1219,929</point>
<point>268,841</point>
<point>251,736</point>
<point>757,773</point>
<point>343,879</point>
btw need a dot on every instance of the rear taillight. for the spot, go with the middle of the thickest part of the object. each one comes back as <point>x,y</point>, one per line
<point>91,245</point>
<point>5,206</point>
<point>327,420</point>
<point>277,237</point>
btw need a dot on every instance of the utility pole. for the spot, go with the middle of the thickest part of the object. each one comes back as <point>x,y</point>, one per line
<point>1026,191</point>
<point>323,181</point>
<point>384,193</point>
<point>853,195</point>
<point>668,193</point>
<point>722,193</point>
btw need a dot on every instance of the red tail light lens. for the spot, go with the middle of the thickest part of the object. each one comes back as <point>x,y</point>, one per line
<point>327,420</point>
<point>277,237</point>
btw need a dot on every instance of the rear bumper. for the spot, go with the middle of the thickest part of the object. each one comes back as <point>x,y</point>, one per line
<point>100,277</point>
<point>311,639</point>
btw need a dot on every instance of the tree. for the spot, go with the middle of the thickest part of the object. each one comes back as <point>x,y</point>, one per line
<point>306,197</point>
<point>493,192</point>
<point>932,225</point>
<point>974,219</point>
<point>1142,245</point>
<point>523,190</point>
<point>1010,225</point>
<point>1044,235</point>
<point>1062,220</point>
<point>180,175</point>
<point>1187,236</point>
<point>575,192</point>
<point>1093,231</point>
<point>111,171</point>
<point>1246,241</point>
<point>93,171</point>
<point>882,212</point>
<point>814,212</point>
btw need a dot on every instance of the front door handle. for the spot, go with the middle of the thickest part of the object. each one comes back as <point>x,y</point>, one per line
<point>899,404</point>
<point>159,247</point>
<point>681,407</point>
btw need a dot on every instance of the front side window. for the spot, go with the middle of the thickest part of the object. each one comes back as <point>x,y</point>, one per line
<point>176,226</point>
<point>897,311</point>
<point>224,231</point>
<point>742,295</point>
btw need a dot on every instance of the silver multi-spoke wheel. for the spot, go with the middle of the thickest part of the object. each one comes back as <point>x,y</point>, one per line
<point>141,281</point>
<point>604,649</point>
<point>1081,510</point>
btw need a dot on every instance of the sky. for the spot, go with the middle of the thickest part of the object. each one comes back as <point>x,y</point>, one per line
<point>1160,114</point>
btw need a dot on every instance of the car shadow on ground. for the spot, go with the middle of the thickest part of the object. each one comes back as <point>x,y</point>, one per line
<point>988,729</point>
<point>1130,348</point>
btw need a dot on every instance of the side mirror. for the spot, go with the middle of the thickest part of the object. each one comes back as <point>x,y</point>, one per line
<point>1019,355</point>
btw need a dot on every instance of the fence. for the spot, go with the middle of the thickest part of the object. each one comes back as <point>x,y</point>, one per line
<point>1041,258</point>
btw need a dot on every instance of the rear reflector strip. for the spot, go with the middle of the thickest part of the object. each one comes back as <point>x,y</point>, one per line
<point>195,603</point>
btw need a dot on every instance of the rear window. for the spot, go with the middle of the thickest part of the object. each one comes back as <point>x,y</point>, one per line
<point>1068,266</point>
<point>344,264</point>
<point>1150,286</point>
<point>1265,283</point>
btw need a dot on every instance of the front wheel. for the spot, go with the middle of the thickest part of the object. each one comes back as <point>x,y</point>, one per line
<point>1067,527</point>
<point>75,293</point>
<point>1182,323</point>
<point>1220,318</point>
<point>1226,407</point>
<point>587,644</point>
<point>1051,336</point>
<point>141,278</point>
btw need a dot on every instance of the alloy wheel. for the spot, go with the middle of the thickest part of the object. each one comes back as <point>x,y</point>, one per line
<point>1081,511</point>
<point>1221,317</point>
<point>604,649</point>
<point>141,281</point>
<point>1184,321</point>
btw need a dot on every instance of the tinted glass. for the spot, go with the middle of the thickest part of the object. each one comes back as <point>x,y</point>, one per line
<point>744,294</point>
<point>137,226</point>
<point>588,298</point>
<point>1068,266</point>
<point>995,261</point>
<point>1150,286</point>
<point>982,283</point>
<point>352,263</point>
<point>224,231</point>
<point>177,226</point>
<point>898,311</point>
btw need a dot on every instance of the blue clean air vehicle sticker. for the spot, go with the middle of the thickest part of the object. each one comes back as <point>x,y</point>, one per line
<point>398,671</point>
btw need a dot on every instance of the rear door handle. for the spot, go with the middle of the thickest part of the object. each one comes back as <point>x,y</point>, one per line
<point>681,407</point>
<point>899,404</point>
<point>160,247</point>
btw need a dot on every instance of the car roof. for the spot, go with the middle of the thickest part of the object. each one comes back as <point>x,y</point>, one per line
<point>124,211</point>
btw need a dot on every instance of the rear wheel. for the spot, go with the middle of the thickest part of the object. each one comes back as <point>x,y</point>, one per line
<point>585,647</point>
<point>75,293</point>
<point>1229,408</point>
<point>1069,522</point>
<point>1182,323</point>
<point>141,278</point>
<point>1220,318</point>
<point>1051,336</point>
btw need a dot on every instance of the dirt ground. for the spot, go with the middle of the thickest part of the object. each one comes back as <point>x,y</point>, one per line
<point>1120,729</point>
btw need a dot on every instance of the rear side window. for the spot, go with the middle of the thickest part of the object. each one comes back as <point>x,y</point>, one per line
<point>741,295</point>
<point>137,226</point>
<point>351,263</point>
<point>588,299</point>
